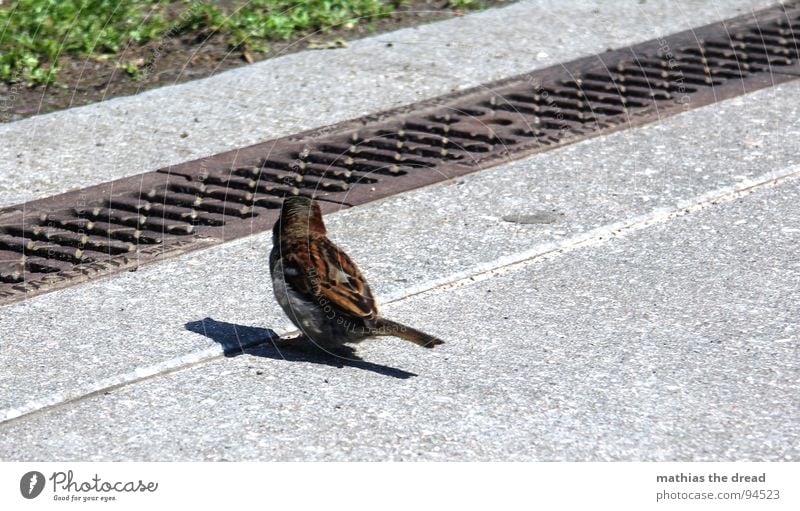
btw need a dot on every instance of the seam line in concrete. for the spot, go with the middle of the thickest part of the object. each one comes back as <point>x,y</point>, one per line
<point>596,236</point>
<point>478,273</point>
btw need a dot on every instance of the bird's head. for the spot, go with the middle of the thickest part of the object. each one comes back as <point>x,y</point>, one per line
<point>300,216</point>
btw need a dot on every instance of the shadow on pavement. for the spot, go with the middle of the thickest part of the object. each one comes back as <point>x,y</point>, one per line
<point>262,342</point>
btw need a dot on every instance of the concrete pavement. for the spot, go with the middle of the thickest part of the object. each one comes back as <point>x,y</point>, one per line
<point>647,315</point>
<point>55,153</point>
<point>627,350</point>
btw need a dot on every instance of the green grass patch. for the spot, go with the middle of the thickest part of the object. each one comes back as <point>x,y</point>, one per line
<point>35,35</point>
<point>259,21</point>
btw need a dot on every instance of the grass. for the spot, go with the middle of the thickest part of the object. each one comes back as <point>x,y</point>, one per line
<point>259,21</point>
<point>35,35</point>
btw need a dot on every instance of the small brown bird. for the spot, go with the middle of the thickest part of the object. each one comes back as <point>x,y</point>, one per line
<point>321,289</point>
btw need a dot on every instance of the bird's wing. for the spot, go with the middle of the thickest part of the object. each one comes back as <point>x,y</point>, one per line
<point>327,275</point>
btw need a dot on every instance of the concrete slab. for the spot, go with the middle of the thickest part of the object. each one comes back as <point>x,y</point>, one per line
<point>421,250</point>
<point>675,342</point>
<point>58,152</point>
<point>73,342</point>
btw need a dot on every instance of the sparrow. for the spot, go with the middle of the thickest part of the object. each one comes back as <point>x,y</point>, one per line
<point>321,289</point>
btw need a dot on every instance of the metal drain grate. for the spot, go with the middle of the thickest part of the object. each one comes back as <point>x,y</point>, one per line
<point>70,238</point>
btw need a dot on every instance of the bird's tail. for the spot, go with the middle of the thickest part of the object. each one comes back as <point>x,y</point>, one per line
<point>388,327</point>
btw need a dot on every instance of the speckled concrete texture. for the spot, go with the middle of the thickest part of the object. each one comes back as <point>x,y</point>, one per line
<point>675,342</point>
<point>66,150</point>
<point>72,341</point>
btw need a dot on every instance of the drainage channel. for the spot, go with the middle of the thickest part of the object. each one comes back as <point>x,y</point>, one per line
<point>73,237</point>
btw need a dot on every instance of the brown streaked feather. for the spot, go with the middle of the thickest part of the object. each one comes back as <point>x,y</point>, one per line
<point>343,284</point>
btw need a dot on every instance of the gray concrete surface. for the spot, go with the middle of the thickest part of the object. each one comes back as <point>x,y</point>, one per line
<point>675,342</point>
<point>568,375</point>
<point>54,153</point>
<point>72,342</point>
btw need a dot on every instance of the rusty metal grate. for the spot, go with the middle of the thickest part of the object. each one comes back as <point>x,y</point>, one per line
<point>70,238</point>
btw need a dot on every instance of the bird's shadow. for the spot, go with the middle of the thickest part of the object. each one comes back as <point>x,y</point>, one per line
<point>262,342</point>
